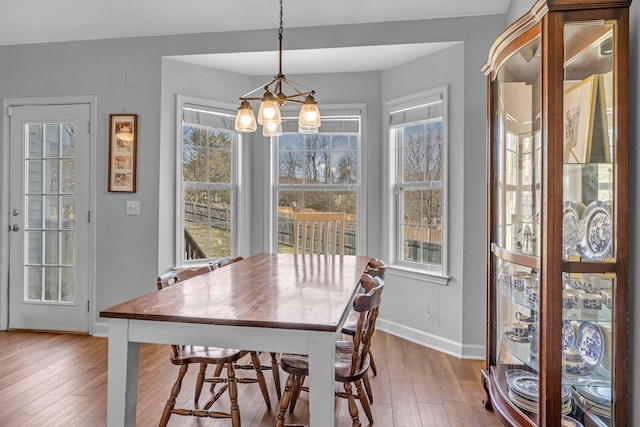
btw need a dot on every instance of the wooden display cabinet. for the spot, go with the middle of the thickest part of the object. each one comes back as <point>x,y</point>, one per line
<point>558,216</point>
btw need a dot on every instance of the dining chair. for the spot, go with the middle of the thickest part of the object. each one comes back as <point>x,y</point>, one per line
<point>186,355</point>
<point>375,268</point>
<point>219,263</point>
<point>351,361</point>
<point>367,283</point>
<point>319,233</point>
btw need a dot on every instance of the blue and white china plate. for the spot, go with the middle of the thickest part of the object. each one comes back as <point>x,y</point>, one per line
<point>572,232</point>
<point>525,386</point>
<point>570,422</point>
<point>590,344</point>
<point>568,335</point>
<point>598,230</point>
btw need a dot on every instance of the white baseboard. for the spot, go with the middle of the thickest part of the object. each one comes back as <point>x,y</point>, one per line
<point>447,346</point>
<point>101,329</point>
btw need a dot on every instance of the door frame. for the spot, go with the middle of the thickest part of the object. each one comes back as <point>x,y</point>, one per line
<point>92,100</point>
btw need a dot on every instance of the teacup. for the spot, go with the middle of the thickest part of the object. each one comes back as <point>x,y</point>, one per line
<point>572,362</point>
<point>591,303</point>
<point>517,280</point>
<point>588,281</point>
<point>531,295</point>
<point>568,300</point>
<point>599,284</point>
<point>607,298</point>
<point>520,330</point>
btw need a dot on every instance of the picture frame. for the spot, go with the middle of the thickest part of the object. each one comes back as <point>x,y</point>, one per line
<point>123,152</point>
<point>586,134</point>
<point>578,115</point>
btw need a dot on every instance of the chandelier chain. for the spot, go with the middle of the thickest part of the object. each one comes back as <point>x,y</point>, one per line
<point>280,30</point>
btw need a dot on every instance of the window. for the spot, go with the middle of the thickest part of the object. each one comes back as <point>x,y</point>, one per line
<point>207,165</point>
<point>417,131</point>
<point>318,173</point>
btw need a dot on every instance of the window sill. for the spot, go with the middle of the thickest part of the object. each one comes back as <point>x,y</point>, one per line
<point>418,274</point>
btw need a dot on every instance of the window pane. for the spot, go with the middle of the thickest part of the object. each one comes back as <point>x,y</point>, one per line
<point>34,181</point>
<point>52,137</point>
<point>344,167</point>
<point>290,169</point>
<point>67,284</point>
<point>412,243</point>
<point>35,140</point>
<point>51,284</point>
<point>220,166</point>
<point>34,283</point>
<point>412,207</point>
<point>68,144</point>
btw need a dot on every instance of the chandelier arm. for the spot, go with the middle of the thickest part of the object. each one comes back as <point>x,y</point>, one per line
<point>294,87</point>
<point>263,87</point>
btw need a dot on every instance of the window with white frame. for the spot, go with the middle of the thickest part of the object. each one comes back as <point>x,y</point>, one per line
<point>207,165</point>
<point>318,173</point>
<point>417,131</point>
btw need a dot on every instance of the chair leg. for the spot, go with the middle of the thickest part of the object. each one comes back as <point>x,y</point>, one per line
<point>372,364</point>
<point>216,374</point>
<point>353,408</point>
<point>255,360</point>
<point>175,390</point>
<point>199,384</point>
<point>364,401</point>
<point>284,402</point>
<point>295,394</point>
<point>367,387</point>
<point>275,370</point>
<point>233,395</point>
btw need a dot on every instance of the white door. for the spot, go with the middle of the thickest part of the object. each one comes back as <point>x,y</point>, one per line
<point>49,186</point>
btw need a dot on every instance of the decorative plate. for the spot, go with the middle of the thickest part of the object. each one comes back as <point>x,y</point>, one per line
<point>596,243</point>
<point>572,232</point>
<point>525,386</point>
<point>590,344</point>
<point>570,422</point>
<point>568,335</point>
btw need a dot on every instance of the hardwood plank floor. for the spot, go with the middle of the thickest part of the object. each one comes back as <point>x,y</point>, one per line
<point>51,380</point>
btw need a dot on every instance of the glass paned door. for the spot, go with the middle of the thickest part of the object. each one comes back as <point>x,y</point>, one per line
<point>49,199</point>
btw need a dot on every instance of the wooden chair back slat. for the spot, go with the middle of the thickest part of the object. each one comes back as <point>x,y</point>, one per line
<point>324,233</point>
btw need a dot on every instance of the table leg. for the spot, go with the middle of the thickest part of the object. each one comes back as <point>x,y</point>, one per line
<point>122,375</point>
<point>321,378</point>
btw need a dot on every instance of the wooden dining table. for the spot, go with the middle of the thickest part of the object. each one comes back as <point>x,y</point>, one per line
<point>266,302</point>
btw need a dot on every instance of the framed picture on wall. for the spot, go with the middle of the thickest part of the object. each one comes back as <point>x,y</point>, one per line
<point>123,152</point>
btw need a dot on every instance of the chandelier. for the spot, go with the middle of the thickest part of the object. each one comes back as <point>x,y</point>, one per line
<point>273,98</point>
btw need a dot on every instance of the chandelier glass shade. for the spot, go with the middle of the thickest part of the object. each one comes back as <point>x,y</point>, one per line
<point>273,98</point>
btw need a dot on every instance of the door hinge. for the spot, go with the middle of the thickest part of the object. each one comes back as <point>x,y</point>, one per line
<point>10,111</point>
<point>89,216</point>
<point>88,306</point>
<point>89,127</point>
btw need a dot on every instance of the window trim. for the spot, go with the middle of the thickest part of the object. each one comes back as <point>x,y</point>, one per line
<point>239,236</point>
<point>393,167</point>
<point>272,183</point>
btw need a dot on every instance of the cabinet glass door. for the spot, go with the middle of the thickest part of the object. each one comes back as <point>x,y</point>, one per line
<point>589,182</point>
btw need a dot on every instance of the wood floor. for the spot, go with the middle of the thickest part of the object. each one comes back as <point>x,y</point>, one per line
<point>50,380</point>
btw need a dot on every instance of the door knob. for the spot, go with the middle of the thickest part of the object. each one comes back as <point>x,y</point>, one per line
<point>14,228</point>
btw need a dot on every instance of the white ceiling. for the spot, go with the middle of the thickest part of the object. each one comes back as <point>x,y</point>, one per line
<point>42,21</point>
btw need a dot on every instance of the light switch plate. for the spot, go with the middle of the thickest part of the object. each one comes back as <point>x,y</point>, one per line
<point>133,207</point>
